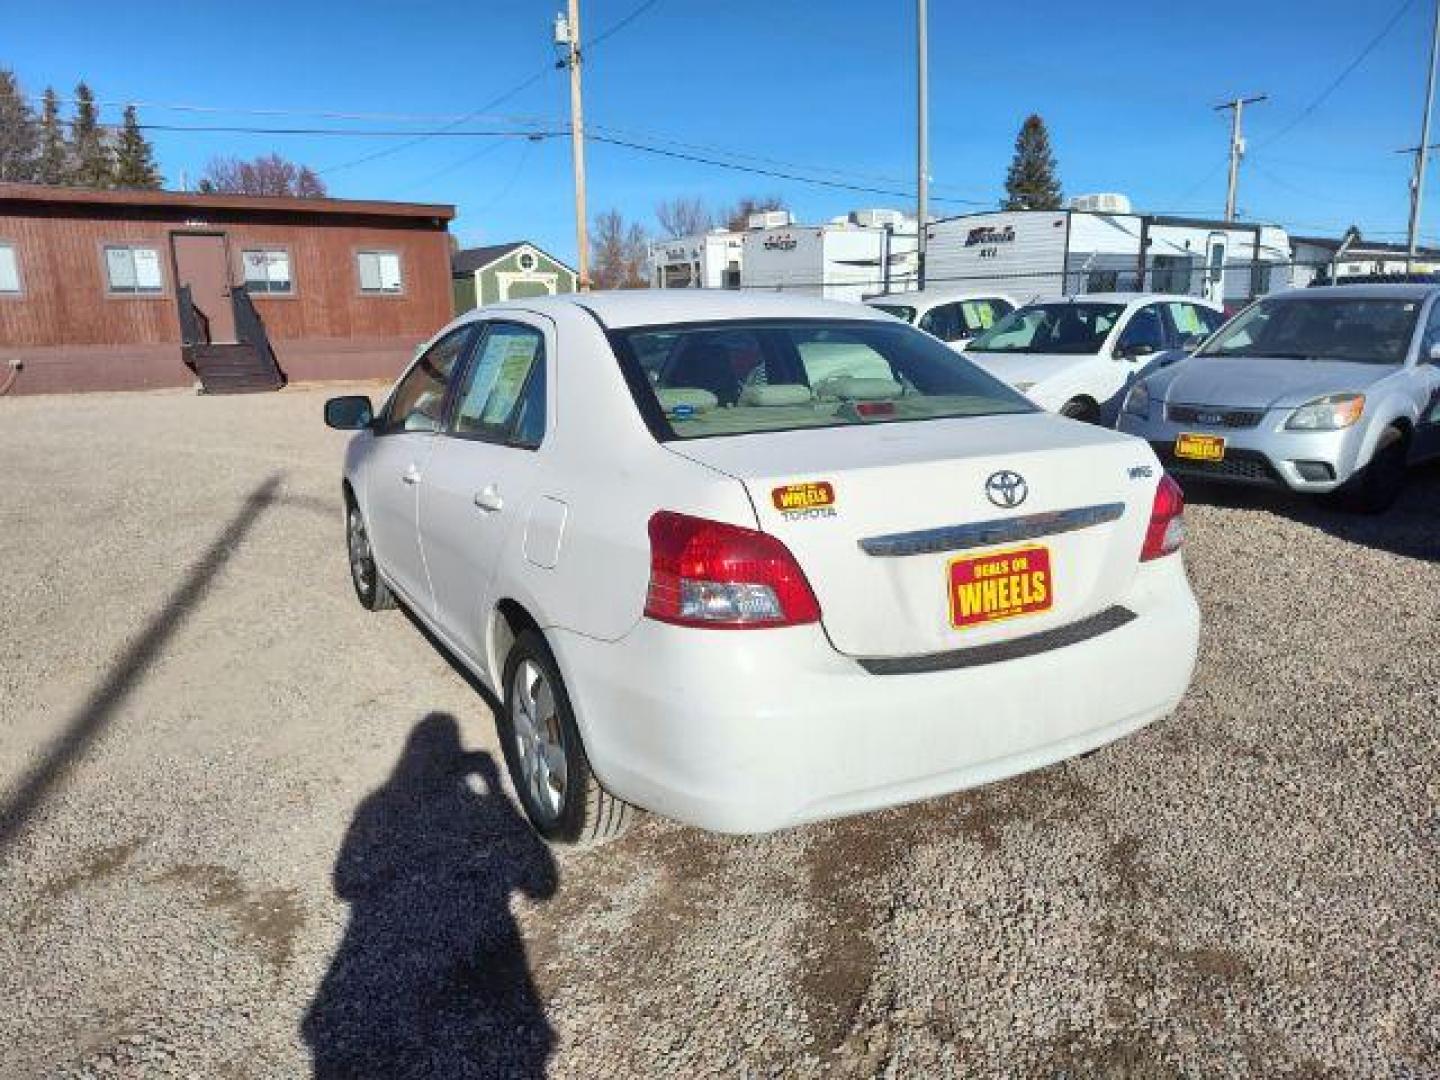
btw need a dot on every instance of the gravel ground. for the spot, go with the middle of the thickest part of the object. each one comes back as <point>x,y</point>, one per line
<point>251,831</point>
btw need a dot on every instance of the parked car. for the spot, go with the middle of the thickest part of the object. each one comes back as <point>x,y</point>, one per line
<point>706,580</point>
<point>953,315</point>
<point>1318,390</point>
<point>1078,355</point>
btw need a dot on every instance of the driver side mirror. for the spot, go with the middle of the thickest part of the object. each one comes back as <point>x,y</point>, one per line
<point>1133,352</point>
<point>1433,354</point>
<point>350,413</point>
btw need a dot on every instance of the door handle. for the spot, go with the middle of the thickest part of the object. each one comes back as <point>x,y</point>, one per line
<point>488,499</point>
<point>411,475</point>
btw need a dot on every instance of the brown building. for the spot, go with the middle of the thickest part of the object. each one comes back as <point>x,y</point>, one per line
<point>121,290</point>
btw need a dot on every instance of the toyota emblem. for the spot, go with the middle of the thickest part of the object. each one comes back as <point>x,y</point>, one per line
<point>1006,489</point>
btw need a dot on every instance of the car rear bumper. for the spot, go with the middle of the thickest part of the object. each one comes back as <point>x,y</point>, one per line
<point>1266,455</point>
<point>750,731</point>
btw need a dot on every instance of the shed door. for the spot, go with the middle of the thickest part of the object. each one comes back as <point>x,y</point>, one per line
<point>201,263</point>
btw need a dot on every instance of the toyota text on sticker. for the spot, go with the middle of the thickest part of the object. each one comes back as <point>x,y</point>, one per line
<point>1001,585</point>
<point>808,500</point>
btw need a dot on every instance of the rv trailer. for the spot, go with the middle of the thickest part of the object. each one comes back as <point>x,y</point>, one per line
<point>1099,244</point>
<point>848,258</point>
<point>709,260</point>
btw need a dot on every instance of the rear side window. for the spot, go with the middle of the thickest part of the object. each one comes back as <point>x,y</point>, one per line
<point>740,378</point>
<point>418,403</point>
<point>499,392</point>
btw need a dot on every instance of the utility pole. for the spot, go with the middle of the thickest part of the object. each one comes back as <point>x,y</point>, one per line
<point>1237,147</point>
<point>922,116</point>
<point>567,37</point>
<point>1422,152</point>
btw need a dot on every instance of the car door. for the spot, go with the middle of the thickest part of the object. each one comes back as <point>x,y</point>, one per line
<point>404,438</point>
<point>480,478</point>
<point>1427,388</point>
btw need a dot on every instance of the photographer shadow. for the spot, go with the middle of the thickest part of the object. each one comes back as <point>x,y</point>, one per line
<point>431,978</point>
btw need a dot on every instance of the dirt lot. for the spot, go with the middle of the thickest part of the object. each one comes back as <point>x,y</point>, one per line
<point>247,829</point>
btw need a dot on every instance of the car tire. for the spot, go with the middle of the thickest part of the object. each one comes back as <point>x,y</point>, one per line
<point>373,593</point>
<point>1081,409</point>
<point>546,758</point>
<point>1374,489</point>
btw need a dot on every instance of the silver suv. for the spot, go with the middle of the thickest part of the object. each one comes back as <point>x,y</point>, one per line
<point>1322,390</point>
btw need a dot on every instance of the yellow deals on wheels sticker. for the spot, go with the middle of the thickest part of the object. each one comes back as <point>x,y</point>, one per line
<point>814,498</point>
<point>1001,585</point>
<point>1200,447</point>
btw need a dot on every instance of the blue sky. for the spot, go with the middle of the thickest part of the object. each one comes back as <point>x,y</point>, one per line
<point>825,84</point>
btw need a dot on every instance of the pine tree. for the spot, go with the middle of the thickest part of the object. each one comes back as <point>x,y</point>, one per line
<point>52,163</point>
<point>134,156</point>
<point>19,136</point>
<point>93,162</point>
<point>1031,183</point>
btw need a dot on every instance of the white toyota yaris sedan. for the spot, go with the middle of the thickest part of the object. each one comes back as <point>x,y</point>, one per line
<point>749,561</point>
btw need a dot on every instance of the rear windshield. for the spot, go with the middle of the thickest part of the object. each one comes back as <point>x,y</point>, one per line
<point>740,377</point>
<point>898,310</point>
<point>1070,328</point>
<point>1363,331</point>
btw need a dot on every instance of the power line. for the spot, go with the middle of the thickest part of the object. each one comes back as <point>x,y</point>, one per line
<point>736,167</point>
<point>375,133</point>
<point>1348,70</point>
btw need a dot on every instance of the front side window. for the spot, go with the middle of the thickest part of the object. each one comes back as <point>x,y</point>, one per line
<point>497,395</point>
<point>1144,332</point>
<point>418,403</point>
<point>380,272</point>
<point>9,270</point>
<point>745,377</point>
<point>133,269</point>
<point>1367,331</point>
<point>267,271</point>
<point>944,322</point>
<point>1193,324</point>
<point>1069,328</point>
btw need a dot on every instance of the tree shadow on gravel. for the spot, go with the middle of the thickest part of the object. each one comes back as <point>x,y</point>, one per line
<point>431,978</point>
<point>1410,528</point>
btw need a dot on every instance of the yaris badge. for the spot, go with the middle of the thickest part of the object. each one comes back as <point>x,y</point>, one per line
<point>1006,489</point>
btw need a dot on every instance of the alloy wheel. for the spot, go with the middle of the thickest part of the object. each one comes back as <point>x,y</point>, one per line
<point>536,724</point>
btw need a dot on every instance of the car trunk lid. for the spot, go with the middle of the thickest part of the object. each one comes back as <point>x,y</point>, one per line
<point>906,533</point>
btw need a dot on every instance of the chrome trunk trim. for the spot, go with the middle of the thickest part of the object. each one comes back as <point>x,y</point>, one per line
<point>984,533</point>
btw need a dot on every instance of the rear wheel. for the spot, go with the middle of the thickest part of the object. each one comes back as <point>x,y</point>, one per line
<point>373,593</point>
<point>547,762</point>
<point>1081,409</point>
<point>1375,487</point>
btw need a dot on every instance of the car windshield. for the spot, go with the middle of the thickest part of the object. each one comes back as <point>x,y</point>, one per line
<point>1071,328</point>
<point>898,310</point>
<point>742,377</point>
<point>1367,331</point>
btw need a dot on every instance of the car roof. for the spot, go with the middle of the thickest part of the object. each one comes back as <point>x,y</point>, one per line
<point>1377,291</point>
<point>1124,298</point>
<point>932,296</point>
<point>657,307</point>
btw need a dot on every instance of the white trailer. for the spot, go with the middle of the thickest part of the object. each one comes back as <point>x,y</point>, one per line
<point>851,257</point>
<point>708,260</point>
<point>1096,246</point>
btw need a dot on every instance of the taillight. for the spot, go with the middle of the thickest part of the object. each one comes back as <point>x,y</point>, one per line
<point>707,573</point>
<point>1166,531</point>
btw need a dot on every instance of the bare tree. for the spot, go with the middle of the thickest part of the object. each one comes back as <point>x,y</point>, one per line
<point>738,216</point>
<point>617,252</point>
<point>267,175</point>
<point>683,216</point>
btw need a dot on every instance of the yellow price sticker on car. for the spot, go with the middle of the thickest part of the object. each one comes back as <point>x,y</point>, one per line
<point>1200,447</point>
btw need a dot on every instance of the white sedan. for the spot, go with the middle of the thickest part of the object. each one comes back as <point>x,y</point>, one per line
<point>1078,355</point>
<point>952,315</point>
<point>711,571</point>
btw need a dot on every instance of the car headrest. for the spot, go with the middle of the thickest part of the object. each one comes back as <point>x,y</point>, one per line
<point>683,399</point>
<point>778,394</point>
<point>852,388</point>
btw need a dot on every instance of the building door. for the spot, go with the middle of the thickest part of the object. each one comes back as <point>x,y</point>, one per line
<point>201,263</point>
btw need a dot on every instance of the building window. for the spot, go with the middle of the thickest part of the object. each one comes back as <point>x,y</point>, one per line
<point>267,271</point>
<point>9,271</point>
<point>379,271</point>
<point>132,269</point>
<point>526,261</point>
